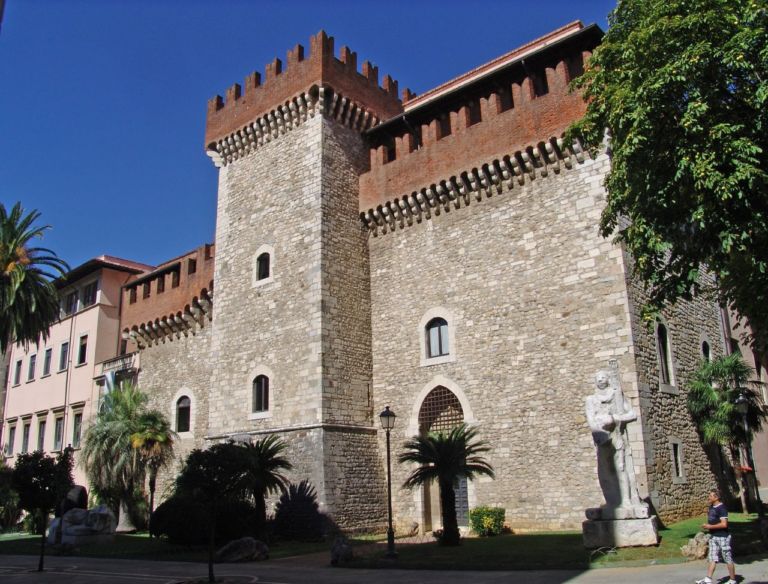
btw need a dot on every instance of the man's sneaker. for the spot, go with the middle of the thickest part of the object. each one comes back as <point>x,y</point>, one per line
<point>705,580</point>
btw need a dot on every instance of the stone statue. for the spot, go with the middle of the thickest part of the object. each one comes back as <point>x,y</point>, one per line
<point>608,414</point>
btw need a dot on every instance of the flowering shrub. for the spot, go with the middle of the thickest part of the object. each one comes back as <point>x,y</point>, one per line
<point>487,520</point>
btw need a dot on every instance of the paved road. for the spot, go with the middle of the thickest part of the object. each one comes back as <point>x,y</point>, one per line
<point>60,570</point>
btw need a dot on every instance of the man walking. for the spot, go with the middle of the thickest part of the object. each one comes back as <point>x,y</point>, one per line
<point>720,542</point>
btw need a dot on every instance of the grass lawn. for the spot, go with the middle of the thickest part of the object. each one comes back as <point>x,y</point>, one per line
<point>562,550</point>
<point>141,546</point>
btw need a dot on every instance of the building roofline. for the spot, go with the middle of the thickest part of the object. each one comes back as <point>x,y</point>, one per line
<point>99,263</point>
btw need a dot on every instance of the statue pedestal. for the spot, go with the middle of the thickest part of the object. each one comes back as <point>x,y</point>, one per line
<point>620,532</point>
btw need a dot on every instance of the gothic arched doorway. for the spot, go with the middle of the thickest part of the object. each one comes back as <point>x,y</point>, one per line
<point>441,411</point>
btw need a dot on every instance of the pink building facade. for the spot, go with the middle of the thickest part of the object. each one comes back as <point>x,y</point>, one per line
<point>53,387</point>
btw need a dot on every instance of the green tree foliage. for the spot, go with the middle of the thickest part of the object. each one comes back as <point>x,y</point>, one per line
<point>154,443</point>
<point>41,483</point>
<point>711,398</point>
<point>121,446</point>
<point>10,511</point>
<point>29,302</point>
<point>213,477</point>
<point>445,458</point>
<point>682,86</point>
<point>263,473</point>
<point>297,514</point>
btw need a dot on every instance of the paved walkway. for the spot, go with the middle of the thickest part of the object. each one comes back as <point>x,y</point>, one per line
<point>59,570</point>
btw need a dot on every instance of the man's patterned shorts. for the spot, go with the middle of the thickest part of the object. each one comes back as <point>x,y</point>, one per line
<point>720,546</point>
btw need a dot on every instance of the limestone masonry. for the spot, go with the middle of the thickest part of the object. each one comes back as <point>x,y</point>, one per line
<point>437,254</point>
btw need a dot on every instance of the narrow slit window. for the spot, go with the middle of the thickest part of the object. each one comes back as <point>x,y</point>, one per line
<point>662,344</point>
<point>183,411</point>
<point>260,394</point>
<point>262,266</point>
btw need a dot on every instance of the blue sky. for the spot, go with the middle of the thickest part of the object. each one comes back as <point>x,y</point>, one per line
<point>102,102</point>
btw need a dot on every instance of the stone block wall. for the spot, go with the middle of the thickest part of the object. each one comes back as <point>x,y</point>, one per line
<point>169,370</point>
<point>665,412</point>
<point>537,303</point>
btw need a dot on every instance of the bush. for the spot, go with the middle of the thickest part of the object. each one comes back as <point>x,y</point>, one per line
<point>296,515</point>
<point>487,520</point>
<point>10,511</point>
<point>183,520</point>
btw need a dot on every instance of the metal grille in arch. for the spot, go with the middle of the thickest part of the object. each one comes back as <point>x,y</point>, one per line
<point>440,410</point>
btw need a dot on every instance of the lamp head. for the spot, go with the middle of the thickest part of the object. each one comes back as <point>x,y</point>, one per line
<point>387,418</point>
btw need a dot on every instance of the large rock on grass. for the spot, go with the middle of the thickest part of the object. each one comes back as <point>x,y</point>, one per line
<point>246,549</point>
<point>697,547</point>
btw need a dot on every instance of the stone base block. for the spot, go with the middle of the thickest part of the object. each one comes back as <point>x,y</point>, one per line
<point>620,533</point>
<point>78,540</point>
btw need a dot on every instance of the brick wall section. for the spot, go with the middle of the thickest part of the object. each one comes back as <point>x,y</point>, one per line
<point>172,299</point>
<point>500,133</point>
<point>665,414</point>
<point>320,67</point>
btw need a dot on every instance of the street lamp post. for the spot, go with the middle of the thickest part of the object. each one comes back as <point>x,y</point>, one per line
<point>742,406</point>
<point>387,418</point>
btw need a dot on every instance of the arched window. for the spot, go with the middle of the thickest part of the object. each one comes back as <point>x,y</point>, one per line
<point>260,394</point>
<point>705,351</point>
<point>183,409</point>
<point>262,266</point>
<point>665,360</point>
<point>437,337</point>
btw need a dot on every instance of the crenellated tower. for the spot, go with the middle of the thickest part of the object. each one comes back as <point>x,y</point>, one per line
<point>291,341</point>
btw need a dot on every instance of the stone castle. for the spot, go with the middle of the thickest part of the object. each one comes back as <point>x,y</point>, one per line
<point>437,254</point>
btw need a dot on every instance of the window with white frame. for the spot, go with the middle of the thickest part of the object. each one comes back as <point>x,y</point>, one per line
<point>31,369</point>
<point>77,429</point>
<point>47,362</point>
<point>10,441</point>
<point>263,266</point>
<point>58,433</point>
<point>64,356</point>
<point>25,437</point>
<point>41,435</point>
<point>89,293</point>
<point>82,350</point>
<point>17,373</point>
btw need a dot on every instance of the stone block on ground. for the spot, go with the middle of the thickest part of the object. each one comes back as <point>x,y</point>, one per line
<point>341,552</point>
<point>246,549</point>
<point>697,547</point>
<point>620,533</point>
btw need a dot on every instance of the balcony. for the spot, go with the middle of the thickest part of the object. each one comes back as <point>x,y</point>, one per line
<point>121,363</point>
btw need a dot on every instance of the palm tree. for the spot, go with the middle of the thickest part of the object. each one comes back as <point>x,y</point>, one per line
<point>265,461</point>
<point>29,302</point>
<point>446,458</point>
<point>112,465</point>
<point>154,443</point>
<point>712,398</point>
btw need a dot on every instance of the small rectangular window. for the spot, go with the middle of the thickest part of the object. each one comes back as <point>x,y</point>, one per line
<point>17,373</point>
<point>11,440</point>
<point>58,433</point>
<point>25,438</point>
<point>77,429</point>
<point>31,369</point>
<point>191,266</point>
<point>47,362</point>
<point>82,350</point>
<point>89,294</point>
<point>390,153</point>
<point>175,279</point>
<point>147,290</point>
<point>41,435</point>
<point>64,356</point>
<point>161,284</point>
<point>123,347</point>
<point>132,295</point>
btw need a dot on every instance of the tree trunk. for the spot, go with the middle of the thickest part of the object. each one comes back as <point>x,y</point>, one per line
<point>451,535</point>
<point>124,523</point>
<point>261,514</point>
<point>152,483</point>
<point>43,525</point>
<point>211,544</point>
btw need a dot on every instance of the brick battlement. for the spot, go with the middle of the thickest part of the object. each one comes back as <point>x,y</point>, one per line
<point>173,297</point>
<point>301,72</point>
<point>497,109</point>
